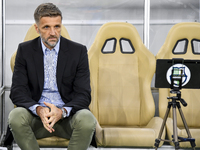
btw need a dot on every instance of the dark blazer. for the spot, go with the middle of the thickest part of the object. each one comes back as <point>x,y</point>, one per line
<point>72,74</point>
<point>73,77</point>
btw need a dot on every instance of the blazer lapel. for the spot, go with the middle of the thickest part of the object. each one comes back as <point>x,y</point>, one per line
<point>63,57</point>
<point>39,63</point>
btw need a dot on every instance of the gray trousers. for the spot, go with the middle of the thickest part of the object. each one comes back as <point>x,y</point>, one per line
<point>26,128</point>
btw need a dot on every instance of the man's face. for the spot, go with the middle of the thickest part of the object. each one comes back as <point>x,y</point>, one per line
<point>49,29</point>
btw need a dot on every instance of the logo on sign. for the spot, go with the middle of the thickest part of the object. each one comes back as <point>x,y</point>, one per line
<point>179,70</point>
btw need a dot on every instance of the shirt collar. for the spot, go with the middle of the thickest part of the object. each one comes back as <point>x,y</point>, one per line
<point>57,47</point>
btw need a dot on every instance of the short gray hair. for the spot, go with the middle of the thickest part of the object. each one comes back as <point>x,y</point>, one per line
<point>46,10</point>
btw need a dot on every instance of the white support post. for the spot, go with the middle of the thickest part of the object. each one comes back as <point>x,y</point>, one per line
<point>146,22</point>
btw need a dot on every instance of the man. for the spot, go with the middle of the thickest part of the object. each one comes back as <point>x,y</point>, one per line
<point>51,87</point>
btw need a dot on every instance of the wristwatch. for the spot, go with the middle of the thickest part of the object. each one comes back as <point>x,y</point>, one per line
<point>64,113</point>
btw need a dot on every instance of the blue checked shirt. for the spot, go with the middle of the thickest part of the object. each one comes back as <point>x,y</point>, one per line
<point>50,92</point>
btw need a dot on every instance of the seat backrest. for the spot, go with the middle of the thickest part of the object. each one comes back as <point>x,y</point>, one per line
<point>183,41</point>
<point>31,34</point>
<point>121,69</point>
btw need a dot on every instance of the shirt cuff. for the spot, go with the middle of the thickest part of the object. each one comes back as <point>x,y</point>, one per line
<point>33,109</point>
<point>68,110</point>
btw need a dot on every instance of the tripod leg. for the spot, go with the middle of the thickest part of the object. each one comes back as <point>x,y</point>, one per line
<point>157,141</point>
<point>186,126</point>
<point>175,132</point>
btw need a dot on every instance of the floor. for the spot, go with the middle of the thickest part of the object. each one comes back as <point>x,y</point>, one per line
<point>164,147</point>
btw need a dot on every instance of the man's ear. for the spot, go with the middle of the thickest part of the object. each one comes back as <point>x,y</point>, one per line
<point>36,28</point>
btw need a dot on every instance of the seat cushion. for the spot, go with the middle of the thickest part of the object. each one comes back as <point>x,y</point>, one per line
<point>133,136</point>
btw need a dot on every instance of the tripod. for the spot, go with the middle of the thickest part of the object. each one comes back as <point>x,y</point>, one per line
<point>175,103</point>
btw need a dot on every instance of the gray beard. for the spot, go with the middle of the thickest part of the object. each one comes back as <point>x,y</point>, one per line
<point>49,44</point>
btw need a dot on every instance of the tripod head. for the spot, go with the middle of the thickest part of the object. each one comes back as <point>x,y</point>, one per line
<point>177,97</point>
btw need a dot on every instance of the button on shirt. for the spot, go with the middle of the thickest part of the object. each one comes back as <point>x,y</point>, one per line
<point>50,92</point>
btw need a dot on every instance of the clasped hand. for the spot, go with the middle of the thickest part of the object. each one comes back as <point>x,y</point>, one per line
<point>49,118</point>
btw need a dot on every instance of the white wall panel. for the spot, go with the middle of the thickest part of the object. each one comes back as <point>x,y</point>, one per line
<point>79,9</point>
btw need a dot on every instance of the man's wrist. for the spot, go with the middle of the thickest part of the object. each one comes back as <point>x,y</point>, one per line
<point>64,113</point>
<point>38,108</point>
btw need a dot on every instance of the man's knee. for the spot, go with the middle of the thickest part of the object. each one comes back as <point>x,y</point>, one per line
<point>18,117</point>
<point>85,119</point>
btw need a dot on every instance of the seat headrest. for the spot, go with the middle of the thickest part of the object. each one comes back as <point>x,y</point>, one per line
<point>118,30</point>
<point>185,35</point>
